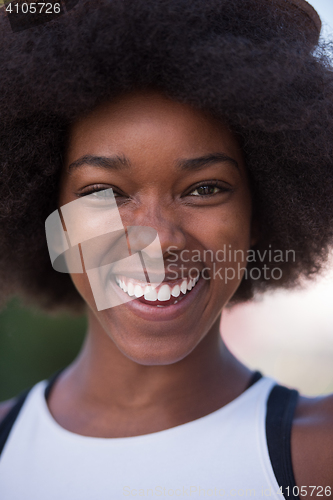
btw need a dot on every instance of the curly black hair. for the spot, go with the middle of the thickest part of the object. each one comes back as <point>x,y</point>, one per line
<point>248,62</point>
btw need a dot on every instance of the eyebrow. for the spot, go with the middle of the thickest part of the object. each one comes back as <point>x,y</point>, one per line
<point>118,162</point>
<point>204,161</point>
<point>115,162</point>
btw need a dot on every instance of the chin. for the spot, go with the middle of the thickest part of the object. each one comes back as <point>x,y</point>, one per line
<point>149,349</point>
<point>155,357</point>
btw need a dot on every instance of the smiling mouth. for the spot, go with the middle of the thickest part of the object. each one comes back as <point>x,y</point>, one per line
<point>161,295</point>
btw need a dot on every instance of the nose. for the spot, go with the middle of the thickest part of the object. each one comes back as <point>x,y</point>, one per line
<point>165,222</point>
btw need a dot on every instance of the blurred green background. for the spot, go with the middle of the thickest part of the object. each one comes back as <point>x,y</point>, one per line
<point>34,345</point>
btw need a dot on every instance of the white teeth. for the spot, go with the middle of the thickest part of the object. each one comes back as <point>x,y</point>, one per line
<point>138,292</point>
<point>150,293</point>
<point>175,291</point>
<point>164,293</point>
<point>183,286</point>
<point>130,289</point>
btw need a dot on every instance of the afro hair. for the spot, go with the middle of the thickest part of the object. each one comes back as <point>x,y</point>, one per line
<point>247,62</point>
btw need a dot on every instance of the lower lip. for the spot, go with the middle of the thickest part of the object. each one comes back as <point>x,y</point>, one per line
<point>163,313</point>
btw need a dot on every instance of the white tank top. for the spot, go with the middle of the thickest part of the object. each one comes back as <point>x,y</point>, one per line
<point>223,454</point>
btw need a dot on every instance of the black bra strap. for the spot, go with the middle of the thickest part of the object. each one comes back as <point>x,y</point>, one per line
<point>254,378</point>
<point>8,422</point>
<point>51,382</point>
<point>281,406</point>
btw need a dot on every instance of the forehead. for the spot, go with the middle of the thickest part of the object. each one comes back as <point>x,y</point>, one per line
<point>147,122</point>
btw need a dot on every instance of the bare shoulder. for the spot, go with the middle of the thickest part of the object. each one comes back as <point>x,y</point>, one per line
<point>5,407</point>
<point>312,445</point>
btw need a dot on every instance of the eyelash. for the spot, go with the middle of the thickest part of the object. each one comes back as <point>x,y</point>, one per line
<point>211,183</point>
<point>95,189</point>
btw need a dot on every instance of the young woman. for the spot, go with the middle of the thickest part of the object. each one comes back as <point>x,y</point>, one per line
<point>211,123</point>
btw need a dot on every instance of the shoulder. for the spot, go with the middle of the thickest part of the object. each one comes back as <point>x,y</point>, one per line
<point>312,444</point>
<point>5,407</point>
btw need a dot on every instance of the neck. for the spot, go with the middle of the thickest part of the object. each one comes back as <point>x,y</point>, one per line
<point>155,397</point>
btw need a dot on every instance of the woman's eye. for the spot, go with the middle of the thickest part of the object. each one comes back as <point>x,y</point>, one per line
<point>101,194</point>
<point>207,189</point>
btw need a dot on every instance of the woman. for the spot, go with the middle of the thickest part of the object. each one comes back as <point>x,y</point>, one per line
<point>210,124</point>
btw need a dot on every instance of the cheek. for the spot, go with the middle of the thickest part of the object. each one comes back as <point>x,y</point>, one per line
<point>82,285</point>
<point>228,224</point>
<point>227,235</point>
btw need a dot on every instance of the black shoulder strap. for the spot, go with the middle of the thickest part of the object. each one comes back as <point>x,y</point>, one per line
<point>7,423</point>
<point>281,406</point>
<point>257,375</point>
<point>50,383</point>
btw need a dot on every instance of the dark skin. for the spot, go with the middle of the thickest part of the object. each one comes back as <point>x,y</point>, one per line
<point>135,375</point>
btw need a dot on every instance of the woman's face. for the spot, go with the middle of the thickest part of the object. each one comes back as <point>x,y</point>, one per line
<point>181,173</point>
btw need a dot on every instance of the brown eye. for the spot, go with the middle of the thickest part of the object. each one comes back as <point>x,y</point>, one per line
<point>207,190</point>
